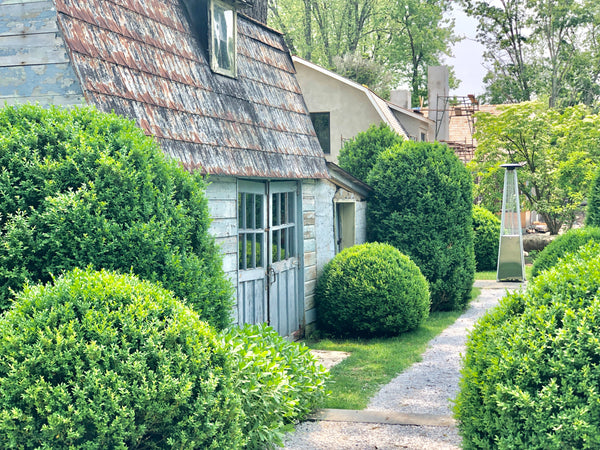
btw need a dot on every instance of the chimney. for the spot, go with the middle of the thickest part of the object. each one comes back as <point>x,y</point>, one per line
<point>437,85</point>
<point>401,97</point>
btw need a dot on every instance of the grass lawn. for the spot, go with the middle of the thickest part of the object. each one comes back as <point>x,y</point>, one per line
<point>375,362</point>
<point>491,275</point>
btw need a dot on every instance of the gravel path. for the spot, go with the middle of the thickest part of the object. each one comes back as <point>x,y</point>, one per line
<point>427,387</point>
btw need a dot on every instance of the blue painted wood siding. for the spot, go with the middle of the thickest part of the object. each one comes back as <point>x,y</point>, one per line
<point>34,63</point>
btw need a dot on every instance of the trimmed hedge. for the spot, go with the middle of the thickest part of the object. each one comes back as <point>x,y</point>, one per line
<point>531,377</point>
<point>569,242</point>
<point>101,360</point>
<point>82,188</point>
<point>422,204</point>
<point>280,382</point>
<point>486,238</point>
<point>592,217</point>
<point>359,154</point>
<point>371,290</point>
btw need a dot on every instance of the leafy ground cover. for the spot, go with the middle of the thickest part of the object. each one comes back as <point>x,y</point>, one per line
<point>375,362</point>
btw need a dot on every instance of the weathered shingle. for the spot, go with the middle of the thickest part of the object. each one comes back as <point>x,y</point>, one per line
<point>141,59</point>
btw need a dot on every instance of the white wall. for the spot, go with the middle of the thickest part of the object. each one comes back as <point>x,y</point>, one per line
<point>350,110</point>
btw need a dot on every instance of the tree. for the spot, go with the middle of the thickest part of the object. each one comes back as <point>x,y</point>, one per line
<point>401,37</point>
<point>420,35</point>
<point>539,48</point>
<point>359,154</point>
<point>422,204</point>
<point>560,150</point>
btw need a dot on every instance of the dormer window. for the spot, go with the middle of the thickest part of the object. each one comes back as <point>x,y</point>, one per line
<point>223,39</point>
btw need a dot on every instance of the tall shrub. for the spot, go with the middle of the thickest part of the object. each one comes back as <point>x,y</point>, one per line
<point>592,217</point>
<point>80,188</point>
<point>486,238</point>
<point>100,360</point>
<point>531,377</point>
<point>358,155</point>
<point>422,205</point>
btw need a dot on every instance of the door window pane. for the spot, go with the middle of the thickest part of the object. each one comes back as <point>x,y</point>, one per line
<point>251,226</point>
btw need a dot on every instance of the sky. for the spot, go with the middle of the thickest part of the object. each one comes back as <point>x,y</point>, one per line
<point>467,56</point>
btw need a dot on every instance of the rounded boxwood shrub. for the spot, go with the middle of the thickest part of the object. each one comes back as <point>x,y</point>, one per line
<point>359,154</point>
<point>486,238</point>
<point>531,377</point>
<point>592,217</point>
<point>280,382</point>
<point>568,242</point>
<point>371,290</point>
<point>79,188</point>
<point>422,204</point>
<point>100,360</point>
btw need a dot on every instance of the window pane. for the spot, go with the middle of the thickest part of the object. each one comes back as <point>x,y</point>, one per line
<point>276,211</point>
<point>259,211</point>
<point>242,251</point>
<point>259,250</point>
<point>284,203</point>
<point>223,37</point>
<point>241,209</point>
<point>248,212</point>
<point>321,124</point>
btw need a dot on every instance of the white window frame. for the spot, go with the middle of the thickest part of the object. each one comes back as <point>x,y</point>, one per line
<point>214,48</point>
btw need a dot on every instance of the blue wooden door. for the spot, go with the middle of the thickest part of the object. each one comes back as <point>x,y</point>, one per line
<point>268,263</point>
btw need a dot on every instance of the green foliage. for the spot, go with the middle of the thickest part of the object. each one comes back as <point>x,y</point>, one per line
<point>81,188</point>
<point>560,149</point>
<point>486,238</point>
<point>359,154</point>
<point>280,382</point>
<point>539,48</point>
<point>422,205</point>
<point>101,360</point>
<point>531,377</point>
<point>365,72</point>
<point>566,243</point>
<point>371,290</point>
<point>592,218</point>
<point>403,37</point>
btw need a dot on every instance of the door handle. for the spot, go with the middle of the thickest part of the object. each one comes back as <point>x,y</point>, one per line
<point>272,275</point>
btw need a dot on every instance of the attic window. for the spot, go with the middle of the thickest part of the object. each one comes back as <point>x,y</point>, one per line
<point>223,38</point>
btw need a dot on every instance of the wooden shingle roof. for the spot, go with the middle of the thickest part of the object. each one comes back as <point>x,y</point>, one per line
<point>141,59</point>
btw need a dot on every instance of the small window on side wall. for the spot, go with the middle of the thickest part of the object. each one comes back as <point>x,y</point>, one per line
<point>223,46</point>
<point>322,129</point>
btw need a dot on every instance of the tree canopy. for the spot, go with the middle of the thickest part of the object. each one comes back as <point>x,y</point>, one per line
<point>540,48</point>
<point>560,151</point>
<point>402,37</point>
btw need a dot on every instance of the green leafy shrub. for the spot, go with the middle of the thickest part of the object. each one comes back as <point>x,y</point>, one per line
<point>592,217</point>
<point>371,290</point>
<point>563,244</point>
<point>486,238</point>
<point>531,377</point>
<point>81,188</point>
<point>358,155</point>
<point>280,382</point>
<point>101,360</point>
<point>422,205</point>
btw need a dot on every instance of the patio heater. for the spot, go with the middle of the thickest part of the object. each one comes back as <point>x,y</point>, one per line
<point>511,261</point>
